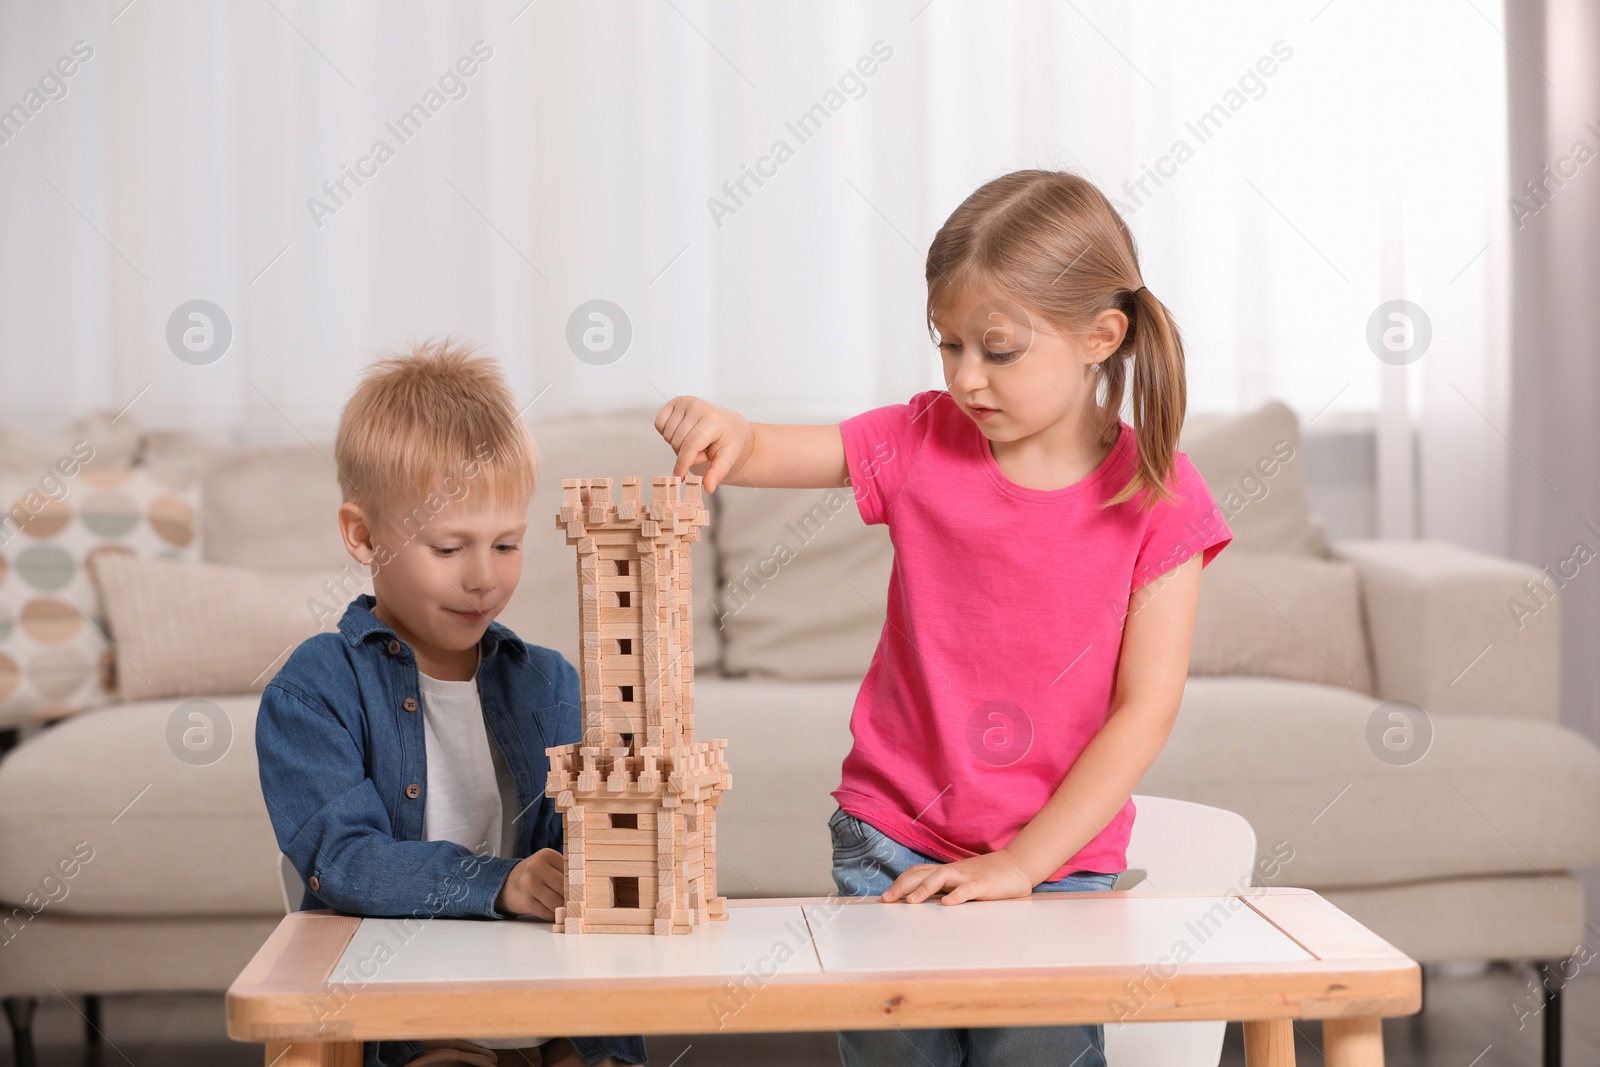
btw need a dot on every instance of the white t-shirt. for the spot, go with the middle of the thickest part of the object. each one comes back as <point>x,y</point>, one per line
<point>471,797</point>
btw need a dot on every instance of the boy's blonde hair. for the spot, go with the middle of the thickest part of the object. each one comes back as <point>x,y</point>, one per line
<point>432,422</point>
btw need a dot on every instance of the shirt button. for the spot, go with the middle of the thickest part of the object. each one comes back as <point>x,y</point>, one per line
<point>413,790</point>
<point>315,885</point>
<point>394,647</point>
<point>410,704</point>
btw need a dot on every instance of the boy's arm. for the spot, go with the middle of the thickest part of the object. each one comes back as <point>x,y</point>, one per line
<point>333,826</point>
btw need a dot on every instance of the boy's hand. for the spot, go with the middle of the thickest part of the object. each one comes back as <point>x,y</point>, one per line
<point>991,876</point>
<point>536,886</point>
<point>700,432</point>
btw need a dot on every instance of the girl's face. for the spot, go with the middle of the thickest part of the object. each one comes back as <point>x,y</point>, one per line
<point>1012,372</point>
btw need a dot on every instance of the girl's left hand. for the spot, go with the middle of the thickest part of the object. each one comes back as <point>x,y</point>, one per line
<point>991,876</point>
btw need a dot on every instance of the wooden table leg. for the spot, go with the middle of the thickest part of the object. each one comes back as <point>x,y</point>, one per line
<point>1356,1041</point>
<point>1269,1043</point>
<point>315,1054</point>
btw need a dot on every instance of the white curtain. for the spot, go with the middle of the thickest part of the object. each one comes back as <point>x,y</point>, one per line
<point>1339,154</point>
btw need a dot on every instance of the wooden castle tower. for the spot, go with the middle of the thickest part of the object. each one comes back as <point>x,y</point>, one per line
<point>639,794</point>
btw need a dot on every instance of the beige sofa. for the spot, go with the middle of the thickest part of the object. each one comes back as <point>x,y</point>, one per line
<point>1465,853</point>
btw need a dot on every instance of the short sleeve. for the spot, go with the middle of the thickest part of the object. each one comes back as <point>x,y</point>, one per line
<point>879,448</point>
<point>1178,528</point>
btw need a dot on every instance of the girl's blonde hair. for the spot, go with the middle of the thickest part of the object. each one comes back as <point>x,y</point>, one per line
<point>1051,241</point>
<point>432,415</point>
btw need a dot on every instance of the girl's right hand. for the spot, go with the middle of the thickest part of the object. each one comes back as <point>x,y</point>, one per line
<point>702,433</point>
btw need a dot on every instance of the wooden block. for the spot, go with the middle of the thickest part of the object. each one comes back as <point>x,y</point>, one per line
<point>624,852</point>
<point>641,869</point>
<point>629,917</point>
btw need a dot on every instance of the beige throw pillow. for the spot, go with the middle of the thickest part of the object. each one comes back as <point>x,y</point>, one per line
<point>1253,465</point>
<point>1281,615</point>
<point>210,629</point>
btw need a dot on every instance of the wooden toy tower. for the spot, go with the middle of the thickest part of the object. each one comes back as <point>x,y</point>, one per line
<point>639,794</point>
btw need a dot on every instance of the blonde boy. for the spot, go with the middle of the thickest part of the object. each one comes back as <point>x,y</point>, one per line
<point>402,758</point>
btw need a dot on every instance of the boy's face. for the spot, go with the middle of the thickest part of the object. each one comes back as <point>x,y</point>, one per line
<point>441,578</point>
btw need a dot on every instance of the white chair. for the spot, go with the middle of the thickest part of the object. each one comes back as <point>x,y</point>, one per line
<point>1179,845</point>
<point>293,888</point>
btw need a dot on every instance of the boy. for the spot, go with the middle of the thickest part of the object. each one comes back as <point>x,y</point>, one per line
<point>402,758</point>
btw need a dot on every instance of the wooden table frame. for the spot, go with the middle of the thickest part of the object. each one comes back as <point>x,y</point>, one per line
<point>1354,980</point>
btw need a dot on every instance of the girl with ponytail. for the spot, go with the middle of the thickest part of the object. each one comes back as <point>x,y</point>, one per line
<point>1045,583</point>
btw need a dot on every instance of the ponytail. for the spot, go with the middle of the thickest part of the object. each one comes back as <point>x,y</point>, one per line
<point>1159,394</point>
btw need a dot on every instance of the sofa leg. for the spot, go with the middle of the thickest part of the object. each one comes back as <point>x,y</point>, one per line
<point>19,1013</point>
<point>91,1019</point>
<point>1552,983</point>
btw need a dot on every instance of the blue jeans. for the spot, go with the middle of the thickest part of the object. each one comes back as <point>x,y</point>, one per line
<point>865,863</point>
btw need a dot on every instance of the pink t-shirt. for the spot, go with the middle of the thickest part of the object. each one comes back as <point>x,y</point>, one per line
<point>997,663</point>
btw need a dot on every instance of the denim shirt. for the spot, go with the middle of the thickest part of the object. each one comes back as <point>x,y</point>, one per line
<point>343,764</point>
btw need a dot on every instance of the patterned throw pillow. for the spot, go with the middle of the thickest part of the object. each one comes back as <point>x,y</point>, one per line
<point>54,656</point>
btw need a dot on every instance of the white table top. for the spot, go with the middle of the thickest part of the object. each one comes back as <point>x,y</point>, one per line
<point>1053,931</point>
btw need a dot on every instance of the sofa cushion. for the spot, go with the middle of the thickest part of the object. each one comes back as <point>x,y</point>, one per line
<point>54,657</point>
<point>277,509</point>
<point>197,629</point>
<point>198,840</point>
<point>171,833</point>
<point>1253,466</point>
<point>1488,796</point>
<point>804,583</point>
<point>786,744</point>
<point>1281,615</point>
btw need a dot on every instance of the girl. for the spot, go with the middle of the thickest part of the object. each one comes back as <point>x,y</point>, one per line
<point>1046,575</point>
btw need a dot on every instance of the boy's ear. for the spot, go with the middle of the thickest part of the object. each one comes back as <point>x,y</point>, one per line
<point>357,533</point>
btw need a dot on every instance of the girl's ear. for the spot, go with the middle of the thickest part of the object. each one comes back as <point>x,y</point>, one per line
<point>1105,334</point>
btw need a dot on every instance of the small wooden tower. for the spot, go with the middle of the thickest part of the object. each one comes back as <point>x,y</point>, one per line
<point>639,794</point>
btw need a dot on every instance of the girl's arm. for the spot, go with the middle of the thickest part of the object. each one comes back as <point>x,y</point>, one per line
<point>725,447</point>
<point>1150,675</point>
